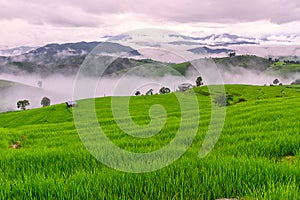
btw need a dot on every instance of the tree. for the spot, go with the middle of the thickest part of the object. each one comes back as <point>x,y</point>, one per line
<point>276,81</point>
<point>149,92</point>
<point>45,102</point>
<point>40,84</point>
<point>232,54</point>
<point>199,81</point>
<point>164,90</point>
<point>22,104</point>
<point>138,93</point>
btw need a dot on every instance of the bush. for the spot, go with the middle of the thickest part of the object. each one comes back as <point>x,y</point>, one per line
<point>276,81</point>
<point>164,90</point>
<point>45,102</point>
<point>22,104</point>
<point>199,81</point>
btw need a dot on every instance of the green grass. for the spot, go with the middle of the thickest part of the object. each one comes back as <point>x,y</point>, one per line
<point>181,68</point>
<point>249,62</point>
<point>257,155</point>
<point>284,69</point>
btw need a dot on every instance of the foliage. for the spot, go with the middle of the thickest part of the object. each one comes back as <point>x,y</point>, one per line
<point>256,157</point>
<point>181,68</point>
<point>164,90</point>
<point>276,81</point>
<point>48,64</point>
<point>45,102</point>
<point>199,81</point>
<point>284,69</point>
<point>22,104</point>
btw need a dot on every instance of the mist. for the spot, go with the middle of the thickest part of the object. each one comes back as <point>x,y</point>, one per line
<point>61,88</point>
<point>238,75</point>
<point>58,88</point>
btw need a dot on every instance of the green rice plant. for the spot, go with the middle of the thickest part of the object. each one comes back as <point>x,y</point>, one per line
<point>256,157</point>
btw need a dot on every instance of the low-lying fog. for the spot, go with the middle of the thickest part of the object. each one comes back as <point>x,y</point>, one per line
<point>60,88</point>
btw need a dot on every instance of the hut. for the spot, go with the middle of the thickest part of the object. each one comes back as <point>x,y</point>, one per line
<point>71,104</point>
<point>232,54</point>
<point>185,86</point>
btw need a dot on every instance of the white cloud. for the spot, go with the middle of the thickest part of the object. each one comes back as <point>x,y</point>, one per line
<point>38,22</point>
<point>84,13</point>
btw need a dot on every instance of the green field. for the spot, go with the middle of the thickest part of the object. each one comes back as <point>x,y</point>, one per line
<point>256,156</point>
<point>250,62</point>
<point>284,69</point>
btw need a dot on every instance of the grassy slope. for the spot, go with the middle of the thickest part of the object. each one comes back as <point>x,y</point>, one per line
<point>251,63</point>
<point>245,61</point>
<point>284,69</point>
<point>256,156</point>
<point>123,65</point>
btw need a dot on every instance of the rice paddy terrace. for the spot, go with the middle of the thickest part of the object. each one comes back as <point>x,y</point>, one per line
<point>256,156</point>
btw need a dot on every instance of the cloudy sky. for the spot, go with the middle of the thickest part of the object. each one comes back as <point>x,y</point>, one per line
<point>37,22</point>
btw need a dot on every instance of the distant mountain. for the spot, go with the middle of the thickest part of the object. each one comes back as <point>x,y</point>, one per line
<point>115,48</point>
<point>262,46</point>
<point>80,48</point>
<point>184,37</point>
<point>205,50</point>
<point>67,58</point>
<point>16,51</point>
<point>67,48</point>
<point>177,39</point>
<point>226,39</point>
<point>282,38</point>
<point>60,58</point>
<point>218,40</point>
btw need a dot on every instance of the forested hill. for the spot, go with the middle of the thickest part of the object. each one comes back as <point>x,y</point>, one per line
<point>66,59</point>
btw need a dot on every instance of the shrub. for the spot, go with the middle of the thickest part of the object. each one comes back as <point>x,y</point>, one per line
<point>276,81</point>
<point>164,90</point>
<point>199,81</point>
<point>22,104</point>
<point>45,102</point>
